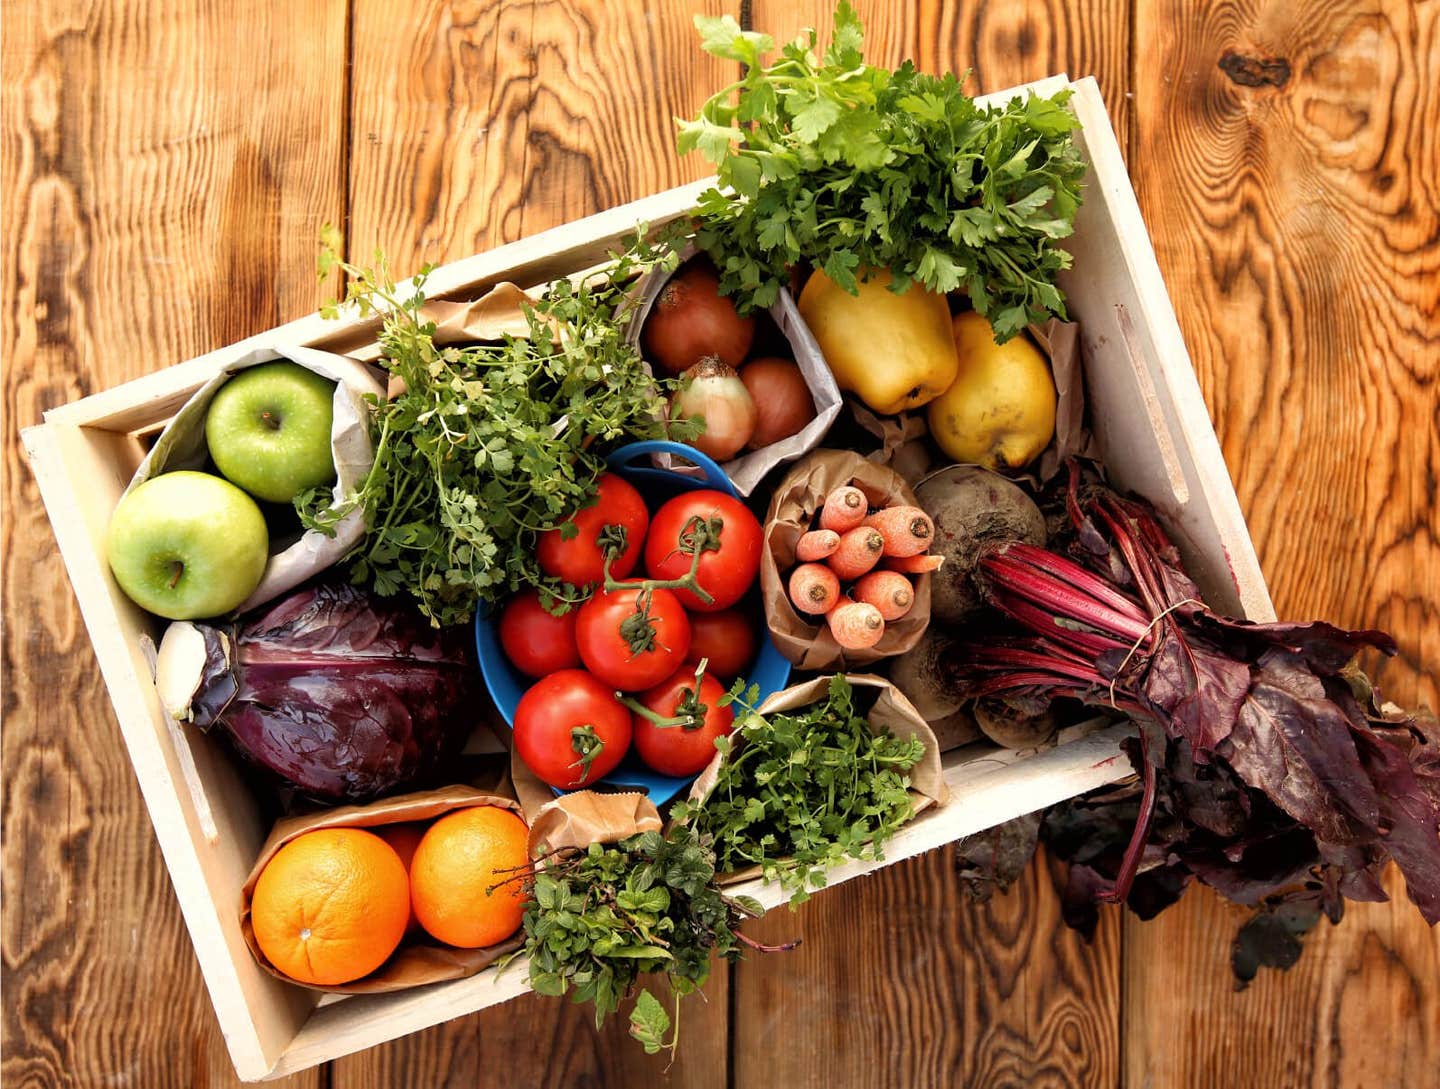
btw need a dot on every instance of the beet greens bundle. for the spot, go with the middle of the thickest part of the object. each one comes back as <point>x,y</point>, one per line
<point>1269,769</point>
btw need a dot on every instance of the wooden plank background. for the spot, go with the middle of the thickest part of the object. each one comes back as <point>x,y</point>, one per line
<point>166,168</point>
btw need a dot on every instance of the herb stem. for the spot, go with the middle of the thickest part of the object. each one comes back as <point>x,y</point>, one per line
<point>783,947</point>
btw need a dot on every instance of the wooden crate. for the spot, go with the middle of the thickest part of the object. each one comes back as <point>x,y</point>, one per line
<point>1151,421</point>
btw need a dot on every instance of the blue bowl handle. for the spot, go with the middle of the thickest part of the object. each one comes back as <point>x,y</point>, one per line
<point>626,456</point>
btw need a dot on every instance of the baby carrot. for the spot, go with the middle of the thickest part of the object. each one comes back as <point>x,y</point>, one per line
<point>859,550</point>
<point>907,530</point>
<point>816,545</point>
<point>855,624</point>
<point>844,509</point>
<point>814,588</point>
<point>888,591</point>
<point>912,565</point>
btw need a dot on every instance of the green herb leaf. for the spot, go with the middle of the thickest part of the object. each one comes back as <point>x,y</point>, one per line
<point>649,1022</point>
<point>851,167</point>
<point>803,790</point>
<point>602,918</point>
<point>488,446</point>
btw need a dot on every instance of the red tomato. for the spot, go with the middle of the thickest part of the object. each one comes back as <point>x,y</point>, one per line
<point>617,519</point>
<point>726,639</point>
<point>536,642</point>
<point>628,650</point>
<point>684,749</point>
<point>571,730</point>
<point>728,566</point>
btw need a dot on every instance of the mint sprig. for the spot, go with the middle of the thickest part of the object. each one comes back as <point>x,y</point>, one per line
<point>601,919</point>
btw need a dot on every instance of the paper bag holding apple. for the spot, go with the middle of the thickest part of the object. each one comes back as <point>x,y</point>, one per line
<point>182,445</point>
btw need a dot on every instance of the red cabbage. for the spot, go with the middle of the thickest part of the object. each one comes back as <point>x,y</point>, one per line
<point>340,694</point>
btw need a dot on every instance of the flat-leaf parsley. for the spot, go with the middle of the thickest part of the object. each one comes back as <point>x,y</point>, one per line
<point>852,167</point>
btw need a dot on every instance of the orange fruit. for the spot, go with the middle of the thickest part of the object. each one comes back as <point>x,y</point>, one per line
<point>404,837</point>
<point>331,905</point>
<point>462,855</point>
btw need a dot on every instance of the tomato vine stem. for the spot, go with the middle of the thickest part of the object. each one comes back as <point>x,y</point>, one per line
<point>690,712</point>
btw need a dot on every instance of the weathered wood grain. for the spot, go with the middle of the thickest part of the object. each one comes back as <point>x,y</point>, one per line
<point>477,124</point>
<point>892,31</point>
<point>166,166</point>
<point>1001,42</point>
<point>1298,227</point>
<point>547,1043</point>
<point>1286,159</point>
<point>901,981</point>
<point>1361,1008</point>
<point>163,161</point>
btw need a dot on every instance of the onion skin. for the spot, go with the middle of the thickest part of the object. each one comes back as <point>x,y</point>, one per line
<point>783,404</point>
<point>691,320</point>
<point>715,393</point>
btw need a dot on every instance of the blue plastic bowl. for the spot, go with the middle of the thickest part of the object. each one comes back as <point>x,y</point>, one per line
<point>771,670</point>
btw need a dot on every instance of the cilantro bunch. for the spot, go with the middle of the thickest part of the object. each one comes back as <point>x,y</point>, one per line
<point>485,447</point>
<point>601,918</point>
<point>805,790</point>
<point>852,167</point>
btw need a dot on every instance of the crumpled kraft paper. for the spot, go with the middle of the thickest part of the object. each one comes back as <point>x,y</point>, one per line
<point>419,959</point>
<point>182,446</point>
<point>890,711</point>
<point>1060,341</point>
<point>497,314</point>
<point>583,817</point>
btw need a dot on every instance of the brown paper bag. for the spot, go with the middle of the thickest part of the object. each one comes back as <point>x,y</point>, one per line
<point>579,818</point>
<point>499,313</point>
<point>584,817</point>
<point>890,711</point>
<point>1060,342</point>
<point>904,441</point>
<point>798,498</point>
<point>419,959</point>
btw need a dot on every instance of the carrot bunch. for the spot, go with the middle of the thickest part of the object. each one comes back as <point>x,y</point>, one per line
<point>874,552</point>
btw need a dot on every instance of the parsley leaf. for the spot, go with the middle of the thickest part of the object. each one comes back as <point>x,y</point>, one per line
<point>487,446</point>
<point>852,167</point>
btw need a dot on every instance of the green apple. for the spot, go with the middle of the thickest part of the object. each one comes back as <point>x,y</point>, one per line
<point>268,430</point>
<point>186,545</point>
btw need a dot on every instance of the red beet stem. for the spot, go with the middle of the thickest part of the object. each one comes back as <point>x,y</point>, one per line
<point>1048,625</point>
<point>1082,578</point>
<point>1016,658</point>
<point>1049,581</point>
<point>1130,864</point>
